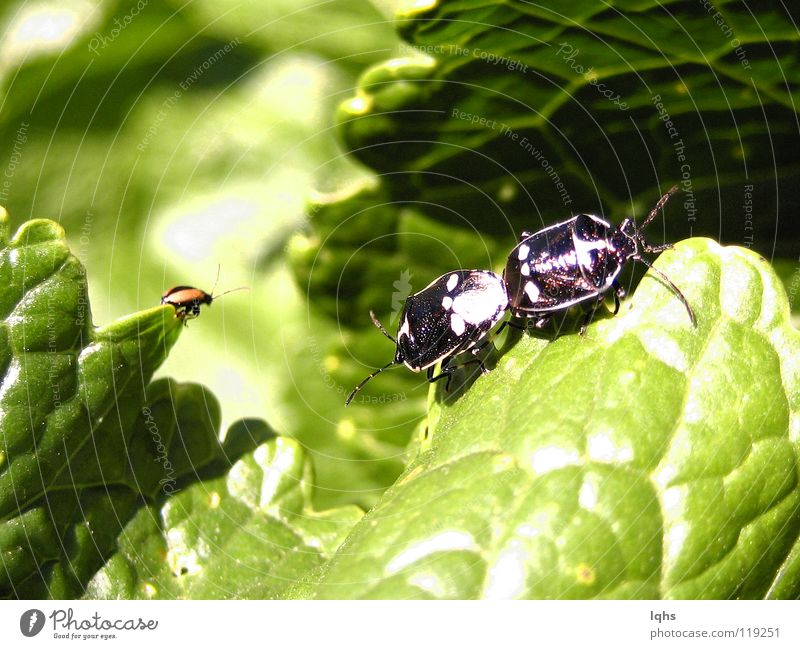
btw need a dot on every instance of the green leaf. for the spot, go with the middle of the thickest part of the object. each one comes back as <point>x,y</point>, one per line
<point>55,546</point>
<point>61,377</point>
<point>646,459</point>
<point>504,116</point>
<point>95,53</point>
<point>248,534</point>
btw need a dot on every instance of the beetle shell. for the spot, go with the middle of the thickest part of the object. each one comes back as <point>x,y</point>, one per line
<point>186,300</point>
<point>565,264</point>
<point>449,316</point>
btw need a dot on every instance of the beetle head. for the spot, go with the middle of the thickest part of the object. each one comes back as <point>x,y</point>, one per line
<point>635,234</point>
<point>627,238</point>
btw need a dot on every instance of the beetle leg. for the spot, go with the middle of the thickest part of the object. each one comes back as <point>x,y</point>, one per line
<point>619,293</point>
<point>479,348</point>
<point>471,362</point>
<point>447,372</point>
<point>540,322</point>
<point>587,318</point>
<point>511,322</point>
<point>654,249</point>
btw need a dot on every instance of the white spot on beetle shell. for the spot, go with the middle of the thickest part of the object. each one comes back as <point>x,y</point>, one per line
<point>485,303</point>
<point>457,324</point>
<point>525,269</point>
<point>522,254</point>
<point>584,250</point>
<point>405,329</point>
<point>532,291</point>
<point>452,282</point>
<point>447,302</point>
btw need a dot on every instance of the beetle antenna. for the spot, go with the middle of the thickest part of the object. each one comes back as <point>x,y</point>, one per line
<point>239,288</point>
<point>219,266</point>
<point>659,206</point>
<point>672,286</point>
<point>364,382</point>
<point>380,327</point>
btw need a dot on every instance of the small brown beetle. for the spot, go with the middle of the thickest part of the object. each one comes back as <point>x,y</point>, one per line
<point>187,299</point>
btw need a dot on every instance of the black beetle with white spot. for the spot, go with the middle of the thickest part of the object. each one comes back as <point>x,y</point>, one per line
<point>449,316</point>
<point>577,262</point>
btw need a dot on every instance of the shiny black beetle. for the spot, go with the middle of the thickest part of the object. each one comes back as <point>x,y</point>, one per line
<point>447,317</point>
<point>577,261</point>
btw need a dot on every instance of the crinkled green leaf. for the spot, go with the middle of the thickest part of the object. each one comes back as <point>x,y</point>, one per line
<point>248,534</point>
<point>646,459</point>
<point>53,548</point>
<point>502,116</point>
<point>56,545</point>
<point>61,377</point>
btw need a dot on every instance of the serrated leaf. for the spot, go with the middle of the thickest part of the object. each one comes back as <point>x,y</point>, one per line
<point>248,534</point>
<point>235,157</point>
<point>647,459</point>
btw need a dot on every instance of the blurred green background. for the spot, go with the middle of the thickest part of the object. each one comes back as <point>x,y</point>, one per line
<point>170,138</point>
